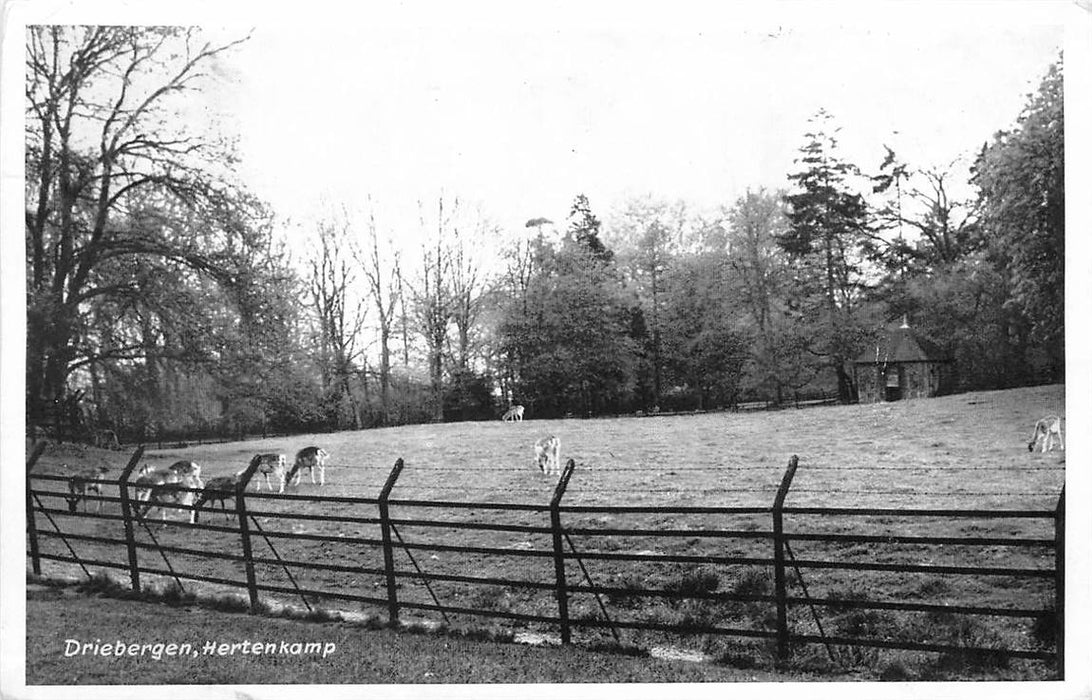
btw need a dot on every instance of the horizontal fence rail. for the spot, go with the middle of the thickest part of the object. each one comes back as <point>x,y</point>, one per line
<point>590,570</point>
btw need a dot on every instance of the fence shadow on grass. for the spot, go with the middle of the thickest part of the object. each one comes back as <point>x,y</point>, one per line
<point>577,574</point>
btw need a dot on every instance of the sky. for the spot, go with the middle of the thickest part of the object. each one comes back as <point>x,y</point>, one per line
<point>520,113</point>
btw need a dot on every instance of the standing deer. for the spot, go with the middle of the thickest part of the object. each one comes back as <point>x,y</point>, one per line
<point>547,454</point>
<point>82,484</point>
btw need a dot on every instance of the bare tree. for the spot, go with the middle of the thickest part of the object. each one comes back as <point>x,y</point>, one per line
<point>382,270</point>
<point>432,301</point>
<point>468,281</point>
<point>341,312</point>
<point>111,180</point>
<point>944,225</point>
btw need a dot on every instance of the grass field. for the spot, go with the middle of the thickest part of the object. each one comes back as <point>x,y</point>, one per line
<point>964,451</point>
<point>360,656</point>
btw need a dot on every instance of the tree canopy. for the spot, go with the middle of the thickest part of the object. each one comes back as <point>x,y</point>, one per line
<point>160,294</point>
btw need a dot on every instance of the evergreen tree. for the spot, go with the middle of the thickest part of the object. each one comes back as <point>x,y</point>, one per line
<point>828,224</point>
<point>584,228</point>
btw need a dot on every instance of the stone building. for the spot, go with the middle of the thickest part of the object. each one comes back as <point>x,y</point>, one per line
<point>902,365</point>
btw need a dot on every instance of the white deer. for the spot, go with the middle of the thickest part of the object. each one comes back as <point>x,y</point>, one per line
<point>311,458</point>
<point>1046,429</point>
<point>515,413</point>
<point>547,454</point>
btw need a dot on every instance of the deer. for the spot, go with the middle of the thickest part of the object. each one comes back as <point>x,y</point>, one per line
<point>220,488</point>
<point>272,464</point>
<point>181,490</point>
<point>514,413</point>
<point>82,484</point>
<point>185,467</point>
<point>547,454</point>
<point>313,459</point>
<point>148,477</point>
<point>1046,429</point>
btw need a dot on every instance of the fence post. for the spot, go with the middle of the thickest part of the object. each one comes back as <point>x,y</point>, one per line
<point>32,527</point>
<point>388,546</point>
<point>559,558</point>
<point>1059,585</point>
<point>127,516</point>
<point>244,530</point>
<point>779,559</point>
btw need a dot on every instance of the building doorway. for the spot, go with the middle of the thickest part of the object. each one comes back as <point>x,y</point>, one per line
<point>893,384</point>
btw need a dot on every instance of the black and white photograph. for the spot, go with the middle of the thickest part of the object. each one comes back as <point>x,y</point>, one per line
<point>427,349</point>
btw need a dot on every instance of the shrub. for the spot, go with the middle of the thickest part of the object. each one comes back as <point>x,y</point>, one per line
<point>230,602</point>
<point>697,582</point>
<point>490,598</point>
<point>102,584</point>
<point>753,581</point>
<point>895,671</point>
<point>969,632</point>
<point>858,623</point>
<point>173,594</point>
<point>626,599</point>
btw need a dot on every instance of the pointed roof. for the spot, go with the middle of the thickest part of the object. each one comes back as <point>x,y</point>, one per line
<point>903,345</point>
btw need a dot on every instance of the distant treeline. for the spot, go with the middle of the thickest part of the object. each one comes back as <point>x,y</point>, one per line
<point>162,301</point>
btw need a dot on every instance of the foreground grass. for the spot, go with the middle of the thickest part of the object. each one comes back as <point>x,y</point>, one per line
<point>361,656</point>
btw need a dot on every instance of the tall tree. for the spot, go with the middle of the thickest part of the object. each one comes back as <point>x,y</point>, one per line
<point>519,258</point>
<point>828,223</point>
<point>432,303</point>
<point>761,272</point>
<point>382,266</point>
<point>704,348</point>
<point>1021,181</point>
<point>572,336</point>
<point>469,246</point>
<point>648,234</point>
<point>921,225</point>
<point>122,198</point>
<point>341,312</point>
<point>584,229</point>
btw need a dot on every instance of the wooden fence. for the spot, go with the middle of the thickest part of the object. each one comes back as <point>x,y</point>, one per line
<point>787,604</point>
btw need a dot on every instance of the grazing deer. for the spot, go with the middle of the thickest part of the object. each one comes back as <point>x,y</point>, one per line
<point>311,458</point>
<point>1046,429</point>
<point>272,464</point>
<point>182,491</point>
<point>547,454</point>
<point>82,484</point>
<point>220,488</point>
<point>515,413</point>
